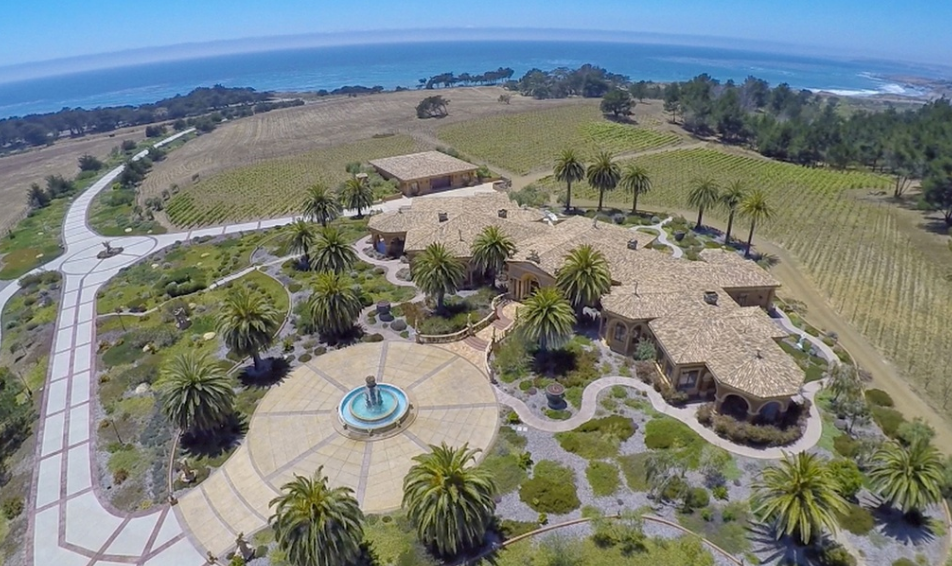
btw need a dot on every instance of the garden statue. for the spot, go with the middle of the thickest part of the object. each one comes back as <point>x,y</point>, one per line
<point>186,472</point>
<point>246,551</point>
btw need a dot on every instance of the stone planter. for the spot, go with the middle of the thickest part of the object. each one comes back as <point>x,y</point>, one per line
<point>383,311</point>
<point>555,396</point>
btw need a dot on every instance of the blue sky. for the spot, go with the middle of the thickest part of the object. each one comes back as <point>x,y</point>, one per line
<point>38,30</point>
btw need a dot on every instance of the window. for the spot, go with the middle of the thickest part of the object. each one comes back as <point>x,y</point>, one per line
<point>742,299</point>
<point>620,332</point>
<point>688,380</point>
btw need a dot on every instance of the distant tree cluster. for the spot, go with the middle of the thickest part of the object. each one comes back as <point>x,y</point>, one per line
<point>466,79</point>
<point>588,81</point>
<point>43,129</point>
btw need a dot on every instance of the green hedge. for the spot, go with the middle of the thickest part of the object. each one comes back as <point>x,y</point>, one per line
<point>878,398</point>
<point>551,489</point>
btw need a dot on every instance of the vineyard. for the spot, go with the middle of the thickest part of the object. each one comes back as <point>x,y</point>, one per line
<point>274,187</point>
<point>856,250</point>
<point>529,140</point>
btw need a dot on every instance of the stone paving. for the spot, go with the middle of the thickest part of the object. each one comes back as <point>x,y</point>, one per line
<point>70,525</point>
<point>295,430</point>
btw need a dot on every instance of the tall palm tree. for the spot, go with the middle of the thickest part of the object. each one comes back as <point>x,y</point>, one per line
<point>247,323</point>
<point>334,305</point>
<point>733,195</point>
<point>356,194</point>
<point>603,174</point>
<point>194,393</point>
<point>300,239</point>
<point>546,318</point>
<point>910,479</point>
<point>756,209</point>
<point>705,194</point>
<point>437,272</point>
<point>635,180</point>
<point>332,252</point>
<point>321,205</point>
<point>316,525</point>
<point>568,169</point>
<point>449,499</point>
<point>799,496</point>
<point>584,277</point>
<point>490,251</point>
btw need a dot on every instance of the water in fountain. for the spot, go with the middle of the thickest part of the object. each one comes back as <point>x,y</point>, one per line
<point>373,407</point>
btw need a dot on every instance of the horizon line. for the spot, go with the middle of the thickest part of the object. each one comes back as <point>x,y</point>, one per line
<point>26,71</point>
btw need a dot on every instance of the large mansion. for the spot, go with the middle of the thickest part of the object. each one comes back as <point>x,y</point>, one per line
<point>706,318</point>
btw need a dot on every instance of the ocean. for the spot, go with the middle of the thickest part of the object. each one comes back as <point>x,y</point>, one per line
<point>403,64</point>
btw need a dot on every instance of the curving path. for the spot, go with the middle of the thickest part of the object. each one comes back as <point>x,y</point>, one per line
<point>70,524</point>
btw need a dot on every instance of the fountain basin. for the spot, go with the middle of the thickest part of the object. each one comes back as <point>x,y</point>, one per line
<point>357,415</point>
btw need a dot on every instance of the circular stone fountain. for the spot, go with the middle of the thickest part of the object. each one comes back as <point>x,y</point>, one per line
<point>373,408</point>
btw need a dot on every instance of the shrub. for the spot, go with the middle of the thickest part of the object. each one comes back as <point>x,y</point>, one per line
<point>551,489</point>
<point>294,287</point>
<point>836,555</point>
<point>695,498</point>
<point>743,432</point>
<point>879,398</point>
<point>904,562</point>
<point>509,528</point>
<point>12,508</point>
<point>849,479</point>
<point>645,351</point>
<point>720,492</point>
<point>603,478</point>
<point>857,520</point>
<point>376,337</point>
<point>889,420</point>
<point>917,430</point>
<point>626,532</point>
<point>664,433</point>
<point>120,476</point>
<point>845,446</point>
<point>597,438</point>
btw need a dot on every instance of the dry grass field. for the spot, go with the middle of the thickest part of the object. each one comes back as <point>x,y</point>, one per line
<point>18,171</point>
<point>325,123</point>
<point>877,262</point>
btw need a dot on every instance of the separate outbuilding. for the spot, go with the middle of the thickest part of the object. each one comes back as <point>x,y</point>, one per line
<point>426,172</point>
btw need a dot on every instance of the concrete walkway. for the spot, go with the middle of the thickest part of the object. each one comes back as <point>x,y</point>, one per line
<point>70,523</point>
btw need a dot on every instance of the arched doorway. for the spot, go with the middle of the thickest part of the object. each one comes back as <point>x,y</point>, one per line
<point>770,411</point>
<point>734,406</point>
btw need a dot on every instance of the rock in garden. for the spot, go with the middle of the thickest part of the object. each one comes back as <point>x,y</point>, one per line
<point>208,336</point>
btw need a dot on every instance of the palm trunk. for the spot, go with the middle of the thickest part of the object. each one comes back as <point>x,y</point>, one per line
<point>439,301</point>
<point>700,217</point>
<point>601,197</point>
<point>750,239</point>
<point>256,359</point>
<point>730,224</point>
<point>568,197</point>
<point>634,204</point>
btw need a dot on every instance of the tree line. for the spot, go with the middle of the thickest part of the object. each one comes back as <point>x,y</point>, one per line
<point>466,79</point>
<point>43,129</point>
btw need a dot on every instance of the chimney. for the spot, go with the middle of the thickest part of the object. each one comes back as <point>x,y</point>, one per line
<point>533,256</point>
<point>443,216</point>
<point>710,297</point>
<point>503,213</point>
<point>632,244</point>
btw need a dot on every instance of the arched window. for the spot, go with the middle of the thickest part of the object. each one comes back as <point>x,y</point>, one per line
<point>620,332</point>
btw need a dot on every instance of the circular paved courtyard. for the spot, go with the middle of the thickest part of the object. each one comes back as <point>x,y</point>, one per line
<point>294,431</point>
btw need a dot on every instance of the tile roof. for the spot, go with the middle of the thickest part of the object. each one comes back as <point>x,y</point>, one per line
<point>737,344</point>
<point>422,165</point>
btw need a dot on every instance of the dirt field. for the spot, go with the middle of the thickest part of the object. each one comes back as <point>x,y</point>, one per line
<point>325,123</point>
<point>18,171</point>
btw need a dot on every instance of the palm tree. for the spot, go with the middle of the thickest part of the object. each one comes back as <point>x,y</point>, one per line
<point>332,252</point>
<point>635,180</point>
<point>568,169</point>
<point>300,240</point>
<point>316,525</point>
<point>584,277</point>
<point>910,479</point>
<point>730,200</point>
<point>756,209</point>
<point>321,205</point>
<point>356,194</point>
<point>334,305</point>
<point>247,323</point>
<point>705,194</point>
<point>490,251</point>
<point>546,318</point>
<point>799,496</point>
<point>603,174</point>
<point>194,393</point>
<point>450,500</point>
<point>437,272</point>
